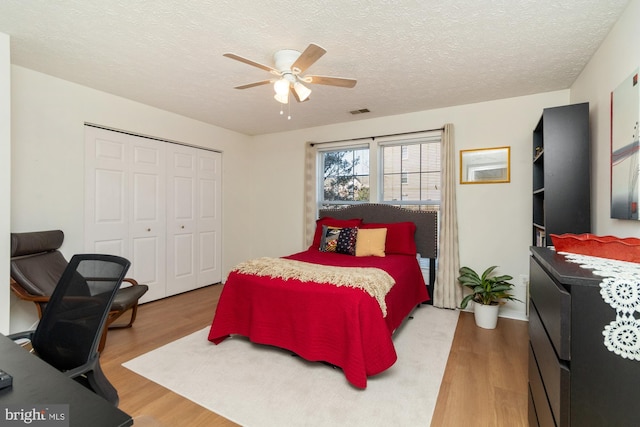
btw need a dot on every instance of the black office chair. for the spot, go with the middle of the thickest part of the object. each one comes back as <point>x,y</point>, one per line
<point>68,334</point>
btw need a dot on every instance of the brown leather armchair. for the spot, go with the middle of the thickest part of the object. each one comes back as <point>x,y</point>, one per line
<point>37,266</point>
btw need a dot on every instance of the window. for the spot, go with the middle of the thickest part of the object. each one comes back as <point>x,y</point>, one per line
<point>404,173</point>
<point>411,174</point>
<point>345,176</point>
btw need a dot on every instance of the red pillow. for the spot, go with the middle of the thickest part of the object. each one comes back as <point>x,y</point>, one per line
<point>400,237</point>
<point>332,222</point>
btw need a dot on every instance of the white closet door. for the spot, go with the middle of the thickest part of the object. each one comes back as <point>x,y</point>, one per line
<point>125,203</point>
<point>181,218</point>
<point>209,221</point>
<point>106,192</point>
<point>147,225</point>
<point>157,204</point>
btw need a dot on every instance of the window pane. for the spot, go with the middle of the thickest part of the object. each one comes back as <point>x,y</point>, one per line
<point>346,175</point>
<point>411,190</point>
<point>392,159</point>
<point>361,193</point>
<point>430,157</point>
<point>361,162</point>
<point>392,187</point>
<point>430,183</point>
<point>411,173</point>
<point>412,162</point>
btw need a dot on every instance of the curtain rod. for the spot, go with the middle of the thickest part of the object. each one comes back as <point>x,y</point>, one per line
<point>377,136</point>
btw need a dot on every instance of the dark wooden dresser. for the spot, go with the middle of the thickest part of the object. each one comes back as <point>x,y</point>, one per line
<point>574,380</point>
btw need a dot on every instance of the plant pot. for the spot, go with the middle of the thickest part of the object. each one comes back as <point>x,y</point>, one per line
<point>486,315</point>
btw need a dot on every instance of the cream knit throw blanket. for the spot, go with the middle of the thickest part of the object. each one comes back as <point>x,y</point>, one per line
<point>374,281</point>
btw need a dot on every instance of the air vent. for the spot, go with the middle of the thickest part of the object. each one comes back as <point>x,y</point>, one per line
<point>360,111</point>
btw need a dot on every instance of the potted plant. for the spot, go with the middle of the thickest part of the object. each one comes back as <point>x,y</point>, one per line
<point>488,291</point>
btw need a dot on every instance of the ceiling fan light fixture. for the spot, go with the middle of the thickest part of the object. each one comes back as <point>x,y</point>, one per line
<point>281,87</point>
<point>302,91</point>
<point>282,98</point>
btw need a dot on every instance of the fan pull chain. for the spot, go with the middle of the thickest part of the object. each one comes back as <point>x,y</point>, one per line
<point>282,110</point>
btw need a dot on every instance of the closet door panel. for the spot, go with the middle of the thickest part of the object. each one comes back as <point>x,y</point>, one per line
<point>209,221</point>
<point>106,192</point>
<point>147,226</point>
<point>181,219</point>
<point>113,247</point>
<point>183,264</point>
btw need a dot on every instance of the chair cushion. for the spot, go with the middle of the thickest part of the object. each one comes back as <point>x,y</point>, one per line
<point>39,274</point>
<point>35,242</point>
<point>126,297</point>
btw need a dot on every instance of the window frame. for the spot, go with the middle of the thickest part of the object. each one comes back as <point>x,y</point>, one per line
<point>405,142</point>
<point>376,169</point>
<point>320,202</point>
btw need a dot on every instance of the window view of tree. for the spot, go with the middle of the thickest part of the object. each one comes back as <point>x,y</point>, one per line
<point>346,176</point>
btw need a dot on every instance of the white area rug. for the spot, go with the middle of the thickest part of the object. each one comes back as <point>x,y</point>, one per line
<point>255,385</point>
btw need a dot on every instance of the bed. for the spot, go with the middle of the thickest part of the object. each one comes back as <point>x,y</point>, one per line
<point>347,320</point>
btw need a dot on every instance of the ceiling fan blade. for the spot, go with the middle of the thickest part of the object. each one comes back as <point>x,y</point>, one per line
<point>311,54</point>
<point>254,84</point>
<point>331,81</point>
<point>252,63</point>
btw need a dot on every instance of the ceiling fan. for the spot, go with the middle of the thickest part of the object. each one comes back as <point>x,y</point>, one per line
<point>289,68</point>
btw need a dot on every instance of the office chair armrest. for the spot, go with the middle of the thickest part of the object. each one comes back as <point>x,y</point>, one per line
<point>24,335</point>
<point>130,280</point>
<point>80,370</point>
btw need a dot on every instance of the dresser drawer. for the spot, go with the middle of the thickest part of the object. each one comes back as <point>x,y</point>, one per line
<point>553,373</point>
<point>539,409</point>
<point>554,309</point>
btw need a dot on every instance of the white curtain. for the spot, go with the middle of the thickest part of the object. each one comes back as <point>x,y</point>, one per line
<point>447,291</point>
<point>310,203</point>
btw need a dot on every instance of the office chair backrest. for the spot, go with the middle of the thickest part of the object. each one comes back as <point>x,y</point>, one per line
<point>70,328</point>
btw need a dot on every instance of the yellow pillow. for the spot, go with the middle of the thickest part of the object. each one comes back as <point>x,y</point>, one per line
<point>370,241</point>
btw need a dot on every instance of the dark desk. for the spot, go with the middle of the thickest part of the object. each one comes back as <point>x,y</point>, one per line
<point>36,382</point>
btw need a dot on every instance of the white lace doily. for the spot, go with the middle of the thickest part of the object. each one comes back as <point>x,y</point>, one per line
<point>620,288</point>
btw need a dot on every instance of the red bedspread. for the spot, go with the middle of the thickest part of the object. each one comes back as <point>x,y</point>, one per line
<point>321,322</point>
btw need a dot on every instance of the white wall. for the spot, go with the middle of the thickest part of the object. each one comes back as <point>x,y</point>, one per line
<point>615,60</point>
<point>494,219</point>
<point>47,159</point>
<point>5,176</point>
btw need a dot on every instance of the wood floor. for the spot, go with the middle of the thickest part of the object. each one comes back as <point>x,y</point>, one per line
<point>485,382</point>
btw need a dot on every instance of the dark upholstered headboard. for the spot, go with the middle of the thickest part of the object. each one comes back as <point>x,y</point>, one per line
<point>426,222</point>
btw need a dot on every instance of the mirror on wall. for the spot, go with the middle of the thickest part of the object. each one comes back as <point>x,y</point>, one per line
<point>485,165</point>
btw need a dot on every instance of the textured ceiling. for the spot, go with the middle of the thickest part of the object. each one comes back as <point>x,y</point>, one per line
<point>407,55</point>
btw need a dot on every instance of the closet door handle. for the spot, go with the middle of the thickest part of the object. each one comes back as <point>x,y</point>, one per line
<point>148,229</point>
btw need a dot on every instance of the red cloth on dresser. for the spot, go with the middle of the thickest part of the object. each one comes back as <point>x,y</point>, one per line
<point>322,322</point>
